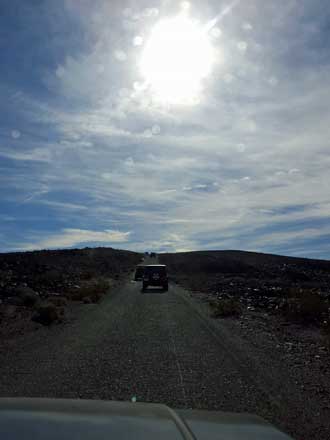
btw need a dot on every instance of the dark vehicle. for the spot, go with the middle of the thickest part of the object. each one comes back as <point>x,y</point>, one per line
<point>68,419</point>
<point>155,275</point>
<point>139,271</point>
<point>152,255</point>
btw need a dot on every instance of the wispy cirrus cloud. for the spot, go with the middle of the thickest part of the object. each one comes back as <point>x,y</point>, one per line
<point>37,155</point>
<point>227,172</point>
<point>70,237</point>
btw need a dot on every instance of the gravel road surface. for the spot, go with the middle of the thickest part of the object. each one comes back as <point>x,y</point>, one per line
<point>154,346</point>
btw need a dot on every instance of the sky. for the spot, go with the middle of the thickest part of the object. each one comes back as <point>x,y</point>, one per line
<point>99,148</point>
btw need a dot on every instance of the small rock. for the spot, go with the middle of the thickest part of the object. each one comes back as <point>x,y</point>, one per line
<point>46,314</point>
<point>10,311</point>
<point>58,301</point>
<point>15,301</point>
<point>289,345</point>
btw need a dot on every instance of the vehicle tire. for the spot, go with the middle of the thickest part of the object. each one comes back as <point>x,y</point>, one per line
<point>144,287</point>
<point>165,287</point>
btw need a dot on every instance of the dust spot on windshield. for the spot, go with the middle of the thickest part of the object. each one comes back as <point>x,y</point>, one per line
<point>247,26</point>
<point>242,46</point>
<point>15,134</point>
<point>137,40</point>
<point>216,32</point>
<point>273,81</point>
<point>120,55</point>
<point>155,129</point>
<point>241,148</point>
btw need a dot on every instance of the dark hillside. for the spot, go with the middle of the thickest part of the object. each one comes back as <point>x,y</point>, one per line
<point>208,269</point>
<point>50,271</point>
<point>295,287</point>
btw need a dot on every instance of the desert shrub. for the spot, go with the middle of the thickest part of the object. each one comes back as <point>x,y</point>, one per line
<point>26,295</point>
<point>93,289</point>
<point>225,307</point>
<point>306,308</point>
<point>9,311</point>
<point>49,277</point>
<point>58,301</point>
<point>326,332</point>
<point>88,275</point>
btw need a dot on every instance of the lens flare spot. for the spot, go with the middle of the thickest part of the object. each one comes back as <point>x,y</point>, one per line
<point>216,32</point>
<point>15,134</point>
<point>185,5</point>
<point>155,129</point>
<point>242,46</point>
<point>273,81</point>
<point>137,40</point>
<point>120,55</point>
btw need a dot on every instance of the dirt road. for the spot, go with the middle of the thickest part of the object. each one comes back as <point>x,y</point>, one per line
<point>155,347</point>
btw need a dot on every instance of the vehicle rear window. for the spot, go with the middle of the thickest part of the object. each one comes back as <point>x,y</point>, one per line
<point>151,270</point>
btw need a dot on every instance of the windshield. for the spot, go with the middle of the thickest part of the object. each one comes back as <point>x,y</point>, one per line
<point>150,270</point>
<point>193,135</point>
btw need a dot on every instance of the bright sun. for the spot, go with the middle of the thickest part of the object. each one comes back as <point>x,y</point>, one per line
<point>176,59</point>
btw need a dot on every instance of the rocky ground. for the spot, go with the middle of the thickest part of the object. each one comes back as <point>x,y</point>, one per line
<point>267,353</point>
<point>280,306</point>
<point>298,289</point>
<point>156,346</point>
<point>40,288</point>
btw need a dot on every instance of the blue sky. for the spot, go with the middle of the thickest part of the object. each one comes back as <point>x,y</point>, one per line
<point>89,156</point>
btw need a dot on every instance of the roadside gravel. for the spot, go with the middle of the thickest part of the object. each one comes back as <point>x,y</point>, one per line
<point>155,347</point>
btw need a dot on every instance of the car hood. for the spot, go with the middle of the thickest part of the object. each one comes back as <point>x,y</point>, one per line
<point>92,419</point>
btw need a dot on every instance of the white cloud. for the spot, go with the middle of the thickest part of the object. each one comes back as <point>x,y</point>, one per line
<point>15,134</point>
<point>70,237</point>
<point>261,132</point>
<point>283,237</point>
<point>63,206</point>
<point>37,154</point>
<point>242,46</point>
<point>120,55</point>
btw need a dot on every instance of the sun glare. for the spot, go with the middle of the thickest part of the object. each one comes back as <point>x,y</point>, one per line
<point>176,59</point>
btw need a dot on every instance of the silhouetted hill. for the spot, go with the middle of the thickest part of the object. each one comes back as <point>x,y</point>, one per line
<point>211,269</point>
<point>49,270</point>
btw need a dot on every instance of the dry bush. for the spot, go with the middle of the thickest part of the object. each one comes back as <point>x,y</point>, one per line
<point>305,306</point>
<point>88,275</point>
<point>226,307</point>
<point>26,295</point>
<point>326,332</point>
<point>58,301</point>
<point>46,313</point>
<point>93,289</point>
